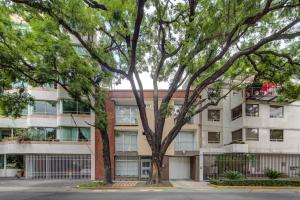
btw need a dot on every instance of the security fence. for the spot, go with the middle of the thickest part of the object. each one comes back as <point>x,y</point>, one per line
<point>54,166</point>
<point>250,165</point>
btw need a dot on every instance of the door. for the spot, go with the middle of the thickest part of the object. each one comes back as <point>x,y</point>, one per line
<point>145,168</point>
<point>179,168</point>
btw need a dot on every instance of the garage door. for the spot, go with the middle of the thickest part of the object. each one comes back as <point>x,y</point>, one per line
<point>179,168</point>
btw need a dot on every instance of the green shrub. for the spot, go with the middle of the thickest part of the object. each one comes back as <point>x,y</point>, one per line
<point>256,182</point>
<point>233,175</point>
<point>272,174</point>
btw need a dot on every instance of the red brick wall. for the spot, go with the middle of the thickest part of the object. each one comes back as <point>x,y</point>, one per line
<point>110,108</point>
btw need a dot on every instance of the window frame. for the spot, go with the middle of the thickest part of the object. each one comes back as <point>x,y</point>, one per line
<point>212,120</point>
<point>276,140</point>
<point>133,115</point>
<point>121,146</point>
<point>46,109</point>
<point>127,160</point>
<point>249,115</point>
<point>240,107</point>
<point>250,138</point>
<point>242,139</point>
<point>178,141</point>
<point>60,138</point>
<point>77,105</point>
<point>272,106</point>
<point>213,142</point>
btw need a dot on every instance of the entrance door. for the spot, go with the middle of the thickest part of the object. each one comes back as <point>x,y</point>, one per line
<point>145,168</point>
<point>179,168</point>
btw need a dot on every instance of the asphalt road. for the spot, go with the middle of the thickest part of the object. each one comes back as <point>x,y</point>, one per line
<point>27,195</point>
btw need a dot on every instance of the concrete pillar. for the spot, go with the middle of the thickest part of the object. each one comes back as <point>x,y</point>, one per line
<point>201,178</point>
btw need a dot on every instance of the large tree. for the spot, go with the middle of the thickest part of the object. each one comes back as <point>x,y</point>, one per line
<point>197,44</point>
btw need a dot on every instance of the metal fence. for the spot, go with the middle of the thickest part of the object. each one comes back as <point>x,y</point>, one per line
<point>53,166</point>
<point>250,165</point>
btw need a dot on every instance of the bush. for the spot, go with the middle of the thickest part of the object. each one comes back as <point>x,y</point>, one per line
<point>272,174</point>
<point>233,175</point>
<point>256,182</point>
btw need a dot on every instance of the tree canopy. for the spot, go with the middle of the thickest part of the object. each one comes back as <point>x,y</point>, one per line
<point>195,43</point>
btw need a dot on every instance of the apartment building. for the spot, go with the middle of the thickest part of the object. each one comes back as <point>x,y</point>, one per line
<point>131,154</point>
<point>52,139</point>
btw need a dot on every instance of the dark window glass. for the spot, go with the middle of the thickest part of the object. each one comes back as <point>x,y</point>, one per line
<point>45,107</point>
<point>73,107</point>
<point>252,134</point>
<point>213,115</point>
<point>252,110</point>
<point>213,137</point>
<point>276,135</point>
<point>236,112</point>
<point>237,135</point>
<point>5,133</point>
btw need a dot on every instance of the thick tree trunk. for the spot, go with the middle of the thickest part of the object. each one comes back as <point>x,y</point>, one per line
<point>106,157</point>
<point>156,169</point>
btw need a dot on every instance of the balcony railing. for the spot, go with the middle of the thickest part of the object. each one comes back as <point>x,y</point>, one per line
<point>260,93</point>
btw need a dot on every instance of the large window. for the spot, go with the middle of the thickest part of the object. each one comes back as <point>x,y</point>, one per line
<point>5,133</point>
<point>236,112</point>
<point>126,141</point>
<point>276,135</point>
<point>45,107</point>
<point>1,161</point>
<point>237,135</point>
<point>126,114</point>
<point>41,133</point>
<point>252,110</point>
<point>127,166</point>
<point>276,111</point>
<point>73,107</point>
<point>213,115</point>
<point>184,141</point>
<point>213,137</point>
<point>74,133</point>
<point>252,134</point>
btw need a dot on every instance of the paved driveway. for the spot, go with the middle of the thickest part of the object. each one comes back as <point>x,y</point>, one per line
<point>191,185</point>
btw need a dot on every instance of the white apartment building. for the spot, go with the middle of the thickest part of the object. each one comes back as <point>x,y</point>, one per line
<point>52,139</point>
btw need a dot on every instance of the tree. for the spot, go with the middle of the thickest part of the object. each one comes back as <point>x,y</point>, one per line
<point>198,44</point>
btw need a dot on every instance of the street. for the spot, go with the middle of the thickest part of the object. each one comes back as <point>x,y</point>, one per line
<point>232,195</point>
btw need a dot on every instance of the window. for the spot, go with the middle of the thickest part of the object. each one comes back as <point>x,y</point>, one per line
<point>126,114</point>
<point>212,93</point>
<point>5,133</point>
<point>252,110</point>
<point>237,135</point>
<point>126,141</point>
<point>236,112</point>
<point>127,166</point>
<point>42,133</point>
<point>213,115</point>
<point>252,134</point>
<point>1,161</point>
<point>184,141</point>
<point>73,107</point>
<point>276,135</point>
<point>177,108</point>
<point>44,107</point>
<point>14,161</point>
<point>276,111</point>
<point>213,137</point>
<point>74,133</point>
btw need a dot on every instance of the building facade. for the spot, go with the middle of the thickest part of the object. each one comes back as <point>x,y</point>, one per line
<point>51,140</point>
<point>60,143</point>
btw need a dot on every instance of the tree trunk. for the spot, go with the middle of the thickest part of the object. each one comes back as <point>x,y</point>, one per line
<point>106,157</point>
<point>156,167</point>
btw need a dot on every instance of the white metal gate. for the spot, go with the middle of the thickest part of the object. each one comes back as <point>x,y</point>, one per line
<point>179,168</point>
<point>54,166</point>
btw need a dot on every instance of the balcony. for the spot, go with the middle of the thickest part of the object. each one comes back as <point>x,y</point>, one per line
<point>237,148</point>
<point>265,93</point>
